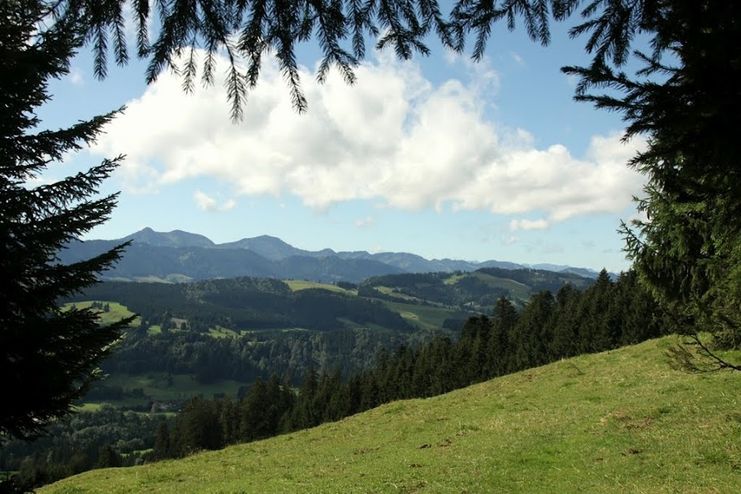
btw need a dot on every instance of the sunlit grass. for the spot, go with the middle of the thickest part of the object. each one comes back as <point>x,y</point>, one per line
<point>297,285</point>
<point>621,421</point>
<point>115,313</point>
<point>422,316</point>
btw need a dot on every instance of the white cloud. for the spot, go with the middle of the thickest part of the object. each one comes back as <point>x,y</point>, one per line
<point>393,137</point>
<point>208,203</point>
<point>525,224</point>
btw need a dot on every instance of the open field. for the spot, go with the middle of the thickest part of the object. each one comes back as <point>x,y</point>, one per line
<point>423,316</point>
<point>115,313</point>
<point>620,421</point>
<point>297,285</point>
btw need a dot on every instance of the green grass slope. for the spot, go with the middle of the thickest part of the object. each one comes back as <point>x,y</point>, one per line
<point>620,421</point>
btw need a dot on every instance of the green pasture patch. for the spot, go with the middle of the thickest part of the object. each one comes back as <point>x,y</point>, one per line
<point>222,332</point>
<point>115,311</point>
<point>297,285</point>
<point>423,316</point>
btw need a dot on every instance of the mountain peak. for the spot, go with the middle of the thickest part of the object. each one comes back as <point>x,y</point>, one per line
<point>175,238</point>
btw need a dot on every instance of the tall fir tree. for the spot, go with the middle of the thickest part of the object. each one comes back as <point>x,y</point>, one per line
<point>48,354</point>
<point>685,99</point>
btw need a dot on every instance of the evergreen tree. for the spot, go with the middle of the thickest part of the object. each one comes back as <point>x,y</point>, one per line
<point>640,316</point>
<point>598,323</point>
<point>532,334</point>
<point>566,322</point>
<point>688,249</point>
<point>197,427</point>
<point>108,457</point>
<point>49,354</point>
<point>162,446</point>
<point>304,413</point>
<point>504,320</point>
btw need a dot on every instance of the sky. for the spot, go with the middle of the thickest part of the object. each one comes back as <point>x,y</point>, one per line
<point>439,156</point>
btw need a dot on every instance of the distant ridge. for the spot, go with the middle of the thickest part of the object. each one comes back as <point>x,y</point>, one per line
<point>180,256</point>
<point>175,238</point>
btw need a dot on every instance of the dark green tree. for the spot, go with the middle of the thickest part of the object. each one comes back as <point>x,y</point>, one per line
<point>686,100</point>
<point>108,457</point>
<point>597,325</point>
<point>531,336</point>
<point>48,353</point>
<point>304,413</point>
<point>197,427</point>
<point>566,322</point>
<point>162,444</point>
<point>503,322</point>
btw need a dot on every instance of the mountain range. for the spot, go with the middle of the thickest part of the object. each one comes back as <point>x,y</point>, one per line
<point>178,256</point>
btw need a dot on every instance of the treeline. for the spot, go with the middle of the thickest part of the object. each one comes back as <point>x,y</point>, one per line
<point>605,316</point>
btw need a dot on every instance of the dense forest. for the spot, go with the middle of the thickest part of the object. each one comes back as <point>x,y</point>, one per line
<point>548,327</point>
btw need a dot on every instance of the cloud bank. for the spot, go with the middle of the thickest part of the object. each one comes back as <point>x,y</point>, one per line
<point>393,137</point>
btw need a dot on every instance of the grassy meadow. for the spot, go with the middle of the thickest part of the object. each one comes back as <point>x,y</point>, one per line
<point>423,316</point>
<point>298,285</point>
<point>619,421</point>
<point>115,313</point>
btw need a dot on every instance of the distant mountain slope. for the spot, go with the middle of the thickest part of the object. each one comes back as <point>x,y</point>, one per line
<point>175,238</point>
<point>273,248</point>
<point>619,421</point>
<point>143,261</point>
<point>181,256</point>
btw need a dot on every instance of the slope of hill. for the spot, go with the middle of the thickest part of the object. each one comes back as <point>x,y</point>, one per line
<point>620,421</point>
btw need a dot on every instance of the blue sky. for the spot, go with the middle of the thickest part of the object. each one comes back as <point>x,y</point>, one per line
<point>438,156</point>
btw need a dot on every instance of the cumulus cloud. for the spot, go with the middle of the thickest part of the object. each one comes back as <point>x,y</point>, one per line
<point>208,203</point>
<point>393,137</point>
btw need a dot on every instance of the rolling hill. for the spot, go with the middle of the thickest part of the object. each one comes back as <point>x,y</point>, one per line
<point>619,421</point>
